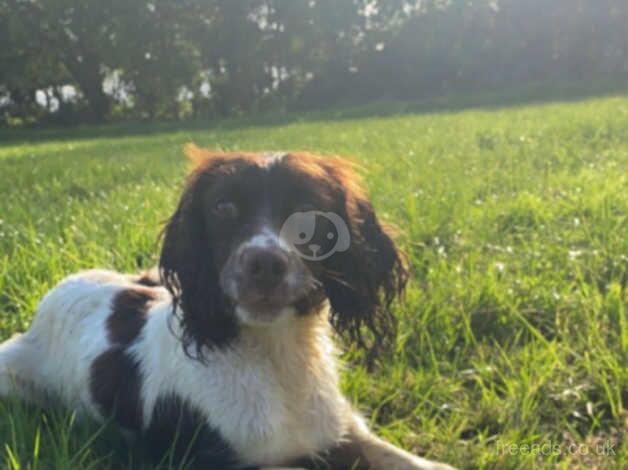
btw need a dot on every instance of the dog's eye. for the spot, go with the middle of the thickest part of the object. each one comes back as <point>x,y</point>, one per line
<point>225,208</point>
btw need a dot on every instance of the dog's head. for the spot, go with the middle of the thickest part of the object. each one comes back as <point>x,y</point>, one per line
<point>257,238</point>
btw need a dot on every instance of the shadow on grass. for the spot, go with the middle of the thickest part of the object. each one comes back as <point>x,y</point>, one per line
<point>68,440</point>
<point>535,93</point>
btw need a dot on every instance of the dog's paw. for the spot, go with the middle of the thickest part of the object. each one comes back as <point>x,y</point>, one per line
<point>423,464</point>
<point>415,463</point>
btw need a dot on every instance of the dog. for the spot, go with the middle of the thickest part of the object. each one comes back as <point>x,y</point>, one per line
<point>224,356</point>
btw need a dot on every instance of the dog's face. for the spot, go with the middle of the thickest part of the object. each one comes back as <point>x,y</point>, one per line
<point>245,210</point>
<point>259,238</point>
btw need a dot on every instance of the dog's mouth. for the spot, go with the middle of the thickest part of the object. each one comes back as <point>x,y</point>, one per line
<point>268,306</point>
<point>262,304</point>
<point>255,304</point>
<point>266,280</point>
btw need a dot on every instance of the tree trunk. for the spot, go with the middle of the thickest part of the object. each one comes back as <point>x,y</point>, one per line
<point>86,72</point>
<point>83,66</point>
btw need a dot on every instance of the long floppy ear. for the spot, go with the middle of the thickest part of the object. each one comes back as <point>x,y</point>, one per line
<point>363,281</point>
<point>188,270</point>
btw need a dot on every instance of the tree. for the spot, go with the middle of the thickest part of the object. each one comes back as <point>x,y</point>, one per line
<point>176,58</point>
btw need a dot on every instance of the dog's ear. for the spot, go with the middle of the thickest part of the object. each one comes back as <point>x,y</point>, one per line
<point>363,281</point>
<point>188,270</point>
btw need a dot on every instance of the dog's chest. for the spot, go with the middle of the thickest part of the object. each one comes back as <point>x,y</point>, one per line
<point>272,396</point>
<point>274,408</point>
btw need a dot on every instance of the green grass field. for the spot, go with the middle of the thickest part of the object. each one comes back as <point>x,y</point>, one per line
<point>512,350</point>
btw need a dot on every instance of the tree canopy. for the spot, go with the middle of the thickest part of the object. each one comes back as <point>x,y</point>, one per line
<point>89,59</point>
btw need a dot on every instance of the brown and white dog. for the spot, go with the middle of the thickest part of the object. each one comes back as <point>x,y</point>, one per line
<point>226,357</point>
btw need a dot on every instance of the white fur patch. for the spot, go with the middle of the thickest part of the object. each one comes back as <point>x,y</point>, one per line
<point>273,395</point>
<point>255,319</point>
<point>265,238</point>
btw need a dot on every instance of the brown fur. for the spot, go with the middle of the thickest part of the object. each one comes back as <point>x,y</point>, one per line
<point>128,314</point>
<point>115,387</point>
<point>360,283</point>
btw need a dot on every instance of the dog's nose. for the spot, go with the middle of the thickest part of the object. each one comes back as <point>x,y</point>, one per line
<point>266,267</point>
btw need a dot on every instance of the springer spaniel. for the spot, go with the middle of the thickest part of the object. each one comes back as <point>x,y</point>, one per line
<point>225,358</point>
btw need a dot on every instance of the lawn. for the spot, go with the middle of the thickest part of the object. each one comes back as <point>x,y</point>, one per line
<point>512,350</point>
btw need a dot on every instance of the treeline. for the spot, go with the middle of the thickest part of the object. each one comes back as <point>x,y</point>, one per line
<point>77,60</point>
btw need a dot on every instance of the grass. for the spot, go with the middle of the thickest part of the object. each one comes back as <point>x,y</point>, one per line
<point>513,346</point>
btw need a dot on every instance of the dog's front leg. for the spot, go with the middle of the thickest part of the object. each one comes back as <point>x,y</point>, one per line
<point>377,454</point>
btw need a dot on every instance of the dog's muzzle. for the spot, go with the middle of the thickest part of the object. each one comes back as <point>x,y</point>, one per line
<point>265,280</point>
